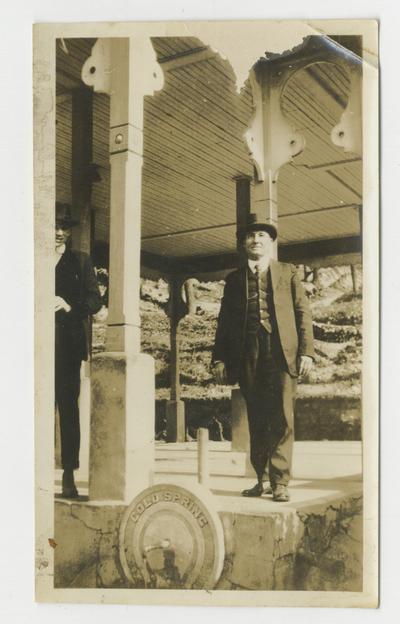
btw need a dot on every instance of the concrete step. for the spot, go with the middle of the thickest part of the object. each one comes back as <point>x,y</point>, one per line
<point>311,460</point>
<point>304,493</point>
<point>322,459</point>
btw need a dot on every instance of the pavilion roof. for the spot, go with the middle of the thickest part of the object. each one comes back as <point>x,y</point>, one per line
<point>194,150</point>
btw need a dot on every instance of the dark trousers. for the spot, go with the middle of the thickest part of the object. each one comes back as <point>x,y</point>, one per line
<point>269,392</point>
<point>67,388</point>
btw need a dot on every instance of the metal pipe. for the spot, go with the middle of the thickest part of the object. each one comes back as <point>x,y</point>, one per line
<point>202,456</point>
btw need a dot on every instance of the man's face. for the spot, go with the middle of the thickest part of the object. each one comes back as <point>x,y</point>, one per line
<point>62,234</point>
<point>258,244</point>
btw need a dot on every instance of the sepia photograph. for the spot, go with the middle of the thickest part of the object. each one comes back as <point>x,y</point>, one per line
<point>207,312</point>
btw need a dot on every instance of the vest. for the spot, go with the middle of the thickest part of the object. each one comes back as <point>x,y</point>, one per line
<point>260,304</point>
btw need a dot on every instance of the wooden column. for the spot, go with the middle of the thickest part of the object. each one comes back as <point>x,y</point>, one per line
<point>81,190</point>
<point>190,296</point>
<point>271,139</point>
<point>243,200</point>
<point>81,157</point>
<point>122,425</point>
<point>176,429</point>
<point>243,206</point>
<point>126,159</point>
<point>272,142</point>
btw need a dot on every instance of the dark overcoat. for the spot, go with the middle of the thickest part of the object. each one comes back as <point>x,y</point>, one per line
<point>292,312</point>
<point>76,283</point>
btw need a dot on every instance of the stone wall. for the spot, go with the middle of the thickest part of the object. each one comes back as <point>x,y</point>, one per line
<point>314,548</point>
<point>318,549</point>
<point>315,419</point>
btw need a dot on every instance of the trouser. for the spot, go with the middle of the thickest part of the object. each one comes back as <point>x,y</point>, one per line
<point>269,392</point>
<point>67,388</point>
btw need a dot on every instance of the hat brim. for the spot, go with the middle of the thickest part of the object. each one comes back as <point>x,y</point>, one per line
<point>265,227</point>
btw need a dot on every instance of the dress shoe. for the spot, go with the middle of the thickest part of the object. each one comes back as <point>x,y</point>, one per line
<point>258,490</point>
<point>69,493</point>
<point>68,485</point>
<point>280,494</point>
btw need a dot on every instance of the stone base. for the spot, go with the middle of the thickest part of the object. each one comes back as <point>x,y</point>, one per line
<point>87,545</point>
<point>313,543</point>
<point>316,547</point>
<point>122,426</point>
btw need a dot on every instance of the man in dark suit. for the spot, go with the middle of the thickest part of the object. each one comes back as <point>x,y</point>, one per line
<point>77,297</point>
<point>264,341</point>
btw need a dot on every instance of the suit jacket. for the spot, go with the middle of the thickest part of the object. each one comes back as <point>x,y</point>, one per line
<point>292,312</point>
<point>76,283</point>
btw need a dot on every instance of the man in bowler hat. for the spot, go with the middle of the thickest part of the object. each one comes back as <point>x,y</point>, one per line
<point>264,341</point>
<point>76,298</point>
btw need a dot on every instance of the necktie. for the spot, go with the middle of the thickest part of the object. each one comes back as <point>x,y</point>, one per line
<point>257,274</point>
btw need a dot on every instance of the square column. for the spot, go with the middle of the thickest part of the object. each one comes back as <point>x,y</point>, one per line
<point>123,396</point>
<point>271,139</point>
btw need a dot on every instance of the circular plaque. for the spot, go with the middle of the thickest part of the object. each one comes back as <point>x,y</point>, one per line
<point>174,537</point>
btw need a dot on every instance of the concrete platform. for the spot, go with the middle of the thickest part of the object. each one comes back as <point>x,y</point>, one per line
<point>313,542</point>
<point>303,493</point>
<point>311,460</point>
<point>322,459</point>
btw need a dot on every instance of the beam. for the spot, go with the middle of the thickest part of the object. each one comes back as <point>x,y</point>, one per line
<point>187,266</point>
<point>313,211</point>
<point>196,55</point>
<point>296,252</point>
<point>161,264</point>
<point>334,164</point>
<point>299,252</point>
<point>243,198</point>
<point>188,231</point>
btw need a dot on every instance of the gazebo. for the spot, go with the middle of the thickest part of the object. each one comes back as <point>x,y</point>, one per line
<point>163,145</point>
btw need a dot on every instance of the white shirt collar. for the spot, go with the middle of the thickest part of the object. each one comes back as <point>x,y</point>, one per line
<point>59,251</point>
<point>262,263</point>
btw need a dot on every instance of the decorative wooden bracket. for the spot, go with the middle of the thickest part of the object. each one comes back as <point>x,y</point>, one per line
<point>97,69</point>
<point>272,141</point>
<point>100,71</point>
<point>348,132</point>
<point>126,69</point>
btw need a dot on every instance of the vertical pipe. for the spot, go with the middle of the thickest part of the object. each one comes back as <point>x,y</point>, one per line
<point>203,474</point>
<point>176,429</point>
<point>190,296</point>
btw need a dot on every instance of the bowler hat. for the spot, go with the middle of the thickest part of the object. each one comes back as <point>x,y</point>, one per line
<point>256,222</point>
<point>63,215</point>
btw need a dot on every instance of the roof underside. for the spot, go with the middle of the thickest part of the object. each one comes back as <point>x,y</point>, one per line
<point>194,149</point>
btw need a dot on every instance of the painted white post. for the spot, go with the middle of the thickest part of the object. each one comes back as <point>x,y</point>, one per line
<point>122,410</point>
<point>272,142</point>
<point>271,139</point>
